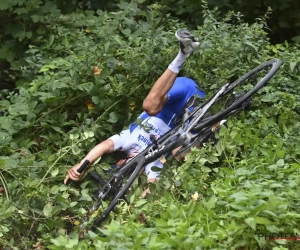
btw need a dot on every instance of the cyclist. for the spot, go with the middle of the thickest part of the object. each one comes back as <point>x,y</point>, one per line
<point>164,102</point>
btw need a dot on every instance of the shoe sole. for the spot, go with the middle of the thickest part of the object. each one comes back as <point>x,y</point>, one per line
<point>186,38</point>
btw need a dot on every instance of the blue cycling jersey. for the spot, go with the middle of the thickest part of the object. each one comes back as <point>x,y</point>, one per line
<point>178,95</point>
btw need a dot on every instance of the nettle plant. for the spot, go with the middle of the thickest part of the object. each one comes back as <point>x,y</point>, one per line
<point>90,76</point>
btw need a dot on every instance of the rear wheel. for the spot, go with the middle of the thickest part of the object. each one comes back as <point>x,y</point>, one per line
<point>236,97</point>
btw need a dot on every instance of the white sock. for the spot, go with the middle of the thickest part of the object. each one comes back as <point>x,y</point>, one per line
<point>177,63</point>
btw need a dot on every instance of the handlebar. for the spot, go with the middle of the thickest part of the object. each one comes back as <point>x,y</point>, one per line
<point>83,166</point>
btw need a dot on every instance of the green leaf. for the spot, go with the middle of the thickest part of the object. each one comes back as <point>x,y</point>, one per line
<point>155,169</point>
<point>88,134</point>
<point>76,150</point>
<point>72,242</point>
<point>56,128</point>
<point>60,241</point>
<point>74,136</point>
<point>88,86</point>
<point>106,47</point>
<point>280,163</point>
<point>202,161</point>
<point>35,18</point>
<point>251,222</point>
<point>141,202</point>
<point>126,32</point>
<point>46,68</point>
<point>2,162</point>
<point>96,100</point>
<point>262,220</point>
<point>211,202</point>
<point>276,185</point>
<point>280,153</point>
<point>91,134</point>
<point>73,204</point>
<point>292,66</point>
<point>113,118</point>
<point>251,45</point>
<point>55,172</point>
<point>20,11</point>
<point>48,210</point>
<point>190,208</point>
<point>51,39</point>
<point>239,196</point>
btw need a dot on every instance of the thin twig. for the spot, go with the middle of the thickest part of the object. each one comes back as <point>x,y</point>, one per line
<point>4,183</point>
<point>61,156</point>
<point>114,104</point>
<point>74,98</point>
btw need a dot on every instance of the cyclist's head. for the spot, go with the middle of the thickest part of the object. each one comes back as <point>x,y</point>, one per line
<point>119,158</point>
<point>122,161</point>
<point>115,157</point>
<point>118,155</point>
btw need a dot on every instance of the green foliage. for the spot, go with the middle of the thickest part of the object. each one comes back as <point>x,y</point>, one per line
<point>25,23</point>
<point>21,23</point>
<point>283,23</point>
<point>247,183</point>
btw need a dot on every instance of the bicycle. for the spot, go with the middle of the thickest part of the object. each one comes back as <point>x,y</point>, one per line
<point>191,129</point>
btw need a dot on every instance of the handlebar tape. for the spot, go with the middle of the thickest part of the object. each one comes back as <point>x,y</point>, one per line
<point>83,166</point>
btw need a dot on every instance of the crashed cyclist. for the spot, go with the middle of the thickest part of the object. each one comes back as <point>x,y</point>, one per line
<point>163,104</point>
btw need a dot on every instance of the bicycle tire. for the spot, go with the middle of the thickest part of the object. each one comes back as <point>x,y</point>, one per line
<point>206,123</point>
<point>209,121</point>
<point>139,161</point>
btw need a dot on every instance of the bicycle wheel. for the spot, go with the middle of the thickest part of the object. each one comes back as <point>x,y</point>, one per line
<point>137,163</point>
<point>236,97</point>
<point>245,87</point>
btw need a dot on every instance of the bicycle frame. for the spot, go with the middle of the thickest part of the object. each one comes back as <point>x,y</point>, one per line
<point>183,134</point>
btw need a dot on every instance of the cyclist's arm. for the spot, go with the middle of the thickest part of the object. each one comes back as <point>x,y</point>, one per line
<point>102,148</point>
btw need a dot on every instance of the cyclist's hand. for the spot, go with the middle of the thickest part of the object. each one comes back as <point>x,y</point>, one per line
<point>73,174</point>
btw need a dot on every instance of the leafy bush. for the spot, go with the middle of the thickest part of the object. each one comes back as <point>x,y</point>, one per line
<point>89,80</point>
<point>283,24</point>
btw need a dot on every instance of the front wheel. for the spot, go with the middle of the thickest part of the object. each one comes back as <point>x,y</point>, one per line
<point>137,164</point>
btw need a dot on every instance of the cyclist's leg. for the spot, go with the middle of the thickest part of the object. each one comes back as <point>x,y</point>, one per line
<point>157,96</point>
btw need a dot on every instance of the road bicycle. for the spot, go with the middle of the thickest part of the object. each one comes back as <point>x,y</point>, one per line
<point>192,127</point>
